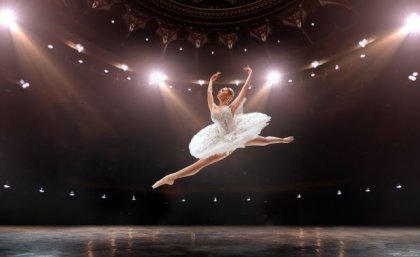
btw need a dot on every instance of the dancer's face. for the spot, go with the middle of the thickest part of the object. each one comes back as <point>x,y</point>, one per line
<point>224,94</point>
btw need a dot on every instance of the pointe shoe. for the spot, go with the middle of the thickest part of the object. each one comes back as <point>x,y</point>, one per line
<point>167,180</point>
<point>287,140</point>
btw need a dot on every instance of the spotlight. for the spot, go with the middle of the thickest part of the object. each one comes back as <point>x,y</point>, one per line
<point>124,67</point>
<point>183,200</point>
<point>201,82</point>
<point>133,198</point>
<point>299,196</point>
<point>50,46</point>
<point>170,86</point>
<point>412,78</point>
<point>103,196</point>
<point>362,56</point>
<point>79,48</point>
<point>367,190</point>
<point>398,186</point>
<point>278,41</point>
<point>180,49</point>
<point>157,77</point>
<point>413,23</point>
<point>128,78</point>
<point>245,50</point>
<point>250,87</point>
<point>248,199</point>
<point>315,64</point>
<point>41,190</point>
<point>7,18</point>
<point>415,74</point>
<point>71,194</point>
<point>312,74</point>
<point>189,89</point>
<point>290,80</point>
<point>215,199</point>
<point>237,82</point>
<point>80,61</point>
<point>337,67</point>
<point>339,192</point>
<point>212,52</point>
<point>6,185</point>
<point>312,24</point>
<point>147,39</point>
<point>106,71</point>
<point>24,84</point>
<point>273,77</point>
<point>112,21</point>
<point>363,42</point>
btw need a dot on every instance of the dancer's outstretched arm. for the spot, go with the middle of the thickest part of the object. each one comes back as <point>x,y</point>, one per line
<point>210,98</point>
<point>235,104</point>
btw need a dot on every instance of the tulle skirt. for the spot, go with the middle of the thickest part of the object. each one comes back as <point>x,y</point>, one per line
<point>208,141</point>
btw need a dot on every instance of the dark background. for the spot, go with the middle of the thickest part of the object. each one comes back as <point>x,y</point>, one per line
<point>77,128</point>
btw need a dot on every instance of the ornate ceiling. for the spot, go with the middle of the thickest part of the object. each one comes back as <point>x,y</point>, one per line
<point>222,17</point>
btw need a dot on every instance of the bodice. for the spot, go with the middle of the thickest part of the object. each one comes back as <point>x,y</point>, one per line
<point>224,120</point>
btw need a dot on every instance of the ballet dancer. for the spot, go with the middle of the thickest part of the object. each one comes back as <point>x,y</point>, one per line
<point>231,129</point>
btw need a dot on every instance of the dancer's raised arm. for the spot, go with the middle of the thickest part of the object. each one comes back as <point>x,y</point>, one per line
<point>235,104</point>
<point>210,99</point>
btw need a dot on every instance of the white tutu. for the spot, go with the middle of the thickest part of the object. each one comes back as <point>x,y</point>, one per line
<point>227,133</point>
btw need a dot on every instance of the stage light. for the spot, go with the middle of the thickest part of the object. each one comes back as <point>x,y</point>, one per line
<point>237,82</point>
<point>367,190</point>
<point>103,196</point>
<point>183,200</point>
<point>363,42</point>
<point>170,86</point>
<point>133,198</point>
<point>180,49</point>
<point>273,77</point>
<point>106,71</point>
<point>189,89</point>
<point>315,64</point>
<point>248,199</point>
<point>124,67</point>
<point>7,18</point>
<point>362,56</point>
<point>201,82</point>
<point>212,52</point>
<point>290,80</point>
<point>245,50</point>
<point>412,78</point>
<point>41,190</point>
<point>278,41</point>
<point>147,39</point>
<point>312,24</point>
<point>299,196</point>
<point>215,200</point>
<point>415,74</point>
<point>337,67</point>
<point>157,77</point>
<point>399,186</point>
<point>250,87</point>
<point>339,192</point>
<point>413,23</point>
<point>50,46</point>
<point>312,74</point>
<point>80,61</point>
<point>112,21</point>
<point>6,185</point>
<point>24,84</point>
<point>72,194</point>
<point>128,78</point>
<point>79,48</point>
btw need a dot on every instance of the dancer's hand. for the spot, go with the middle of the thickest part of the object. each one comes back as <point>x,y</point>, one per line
<point>248,70</point>
<point>215,76</point>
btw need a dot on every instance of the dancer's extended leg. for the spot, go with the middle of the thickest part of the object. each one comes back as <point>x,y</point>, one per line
<point>262,141</point>
<point>190,170</point>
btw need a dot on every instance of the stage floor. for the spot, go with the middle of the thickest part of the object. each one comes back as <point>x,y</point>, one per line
<point>197,241</point>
